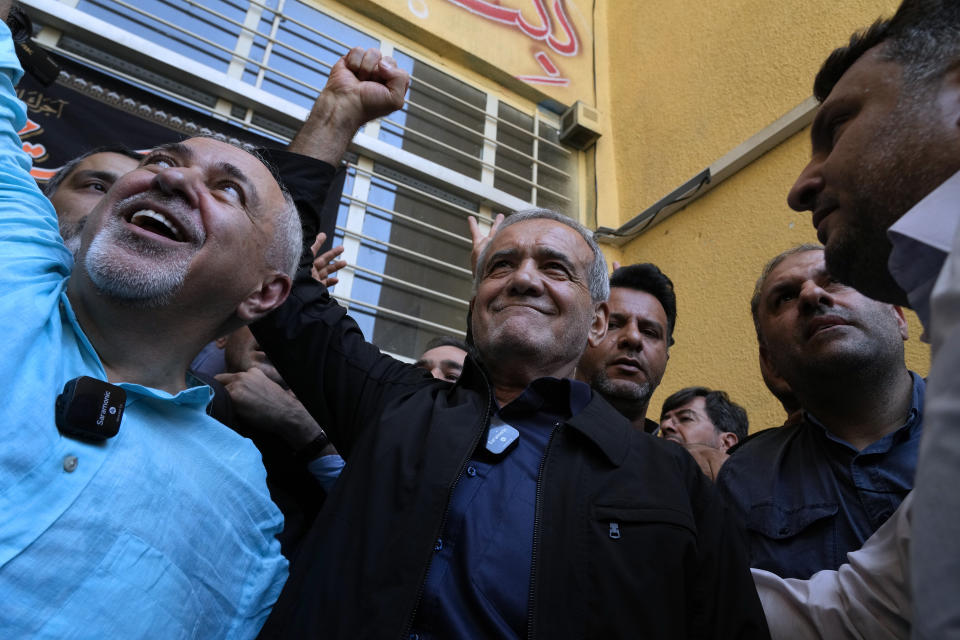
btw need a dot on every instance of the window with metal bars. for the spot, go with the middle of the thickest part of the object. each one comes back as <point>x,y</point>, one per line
<point>403,227</point>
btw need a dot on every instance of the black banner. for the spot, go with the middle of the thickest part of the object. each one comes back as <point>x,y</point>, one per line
<point>86,109</point>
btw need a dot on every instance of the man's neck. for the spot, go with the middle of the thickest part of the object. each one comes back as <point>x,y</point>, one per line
<point>866,413</point>
<point>149,347</point>
<point>635,412</point>
<point>510,381</point>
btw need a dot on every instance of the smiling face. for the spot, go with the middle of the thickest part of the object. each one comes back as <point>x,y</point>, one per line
<point>80,192</point>
<point>533,300</point>
<point>629,363</point>
<point>812,326</point>
<point>875,153</point>
<point>201,207</point>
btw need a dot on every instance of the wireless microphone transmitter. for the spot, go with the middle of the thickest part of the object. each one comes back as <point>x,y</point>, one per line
<point>90,409</point>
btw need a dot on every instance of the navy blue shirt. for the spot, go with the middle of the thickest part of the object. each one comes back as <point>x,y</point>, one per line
<point>479,579</point>
<point>808,497</point>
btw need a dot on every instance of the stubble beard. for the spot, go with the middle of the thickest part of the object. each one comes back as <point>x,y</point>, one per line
<point>630,399</point>
<point>151,279</point>
<point>897,176</point>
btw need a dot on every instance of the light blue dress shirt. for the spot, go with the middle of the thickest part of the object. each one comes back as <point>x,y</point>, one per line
<point>166,530</point>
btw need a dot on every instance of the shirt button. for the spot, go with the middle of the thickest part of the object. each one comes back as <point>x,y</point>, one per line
<point>471,471</point>
<point>70,464</point>
<point>439,545</point>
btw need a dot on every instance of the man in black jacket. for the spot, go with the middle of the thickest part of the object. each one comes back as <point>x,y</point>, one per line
<point>514,502</point>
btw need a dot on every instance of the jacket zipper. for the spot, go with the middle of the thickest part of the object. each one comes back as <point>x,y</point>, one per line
<point>443,521</point>
<point>531,599</point>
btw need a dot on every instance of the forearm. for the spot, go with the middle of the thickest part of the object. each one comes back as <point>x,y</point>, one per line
<point>867,597</point>
<point>327,132</point>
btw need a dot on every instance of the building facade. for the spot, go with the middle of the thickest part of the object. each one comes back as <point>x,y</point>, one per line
<point>702,110</point>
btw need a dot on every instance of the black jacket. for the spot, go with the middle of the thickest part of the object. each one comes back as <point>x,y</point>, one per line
<point>630,539</point>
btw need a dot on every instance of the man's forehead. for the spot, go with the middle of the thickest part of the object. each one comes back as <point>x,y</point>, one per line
<point>541,234</point>
<point>627,301</point>
<point>797,265</point>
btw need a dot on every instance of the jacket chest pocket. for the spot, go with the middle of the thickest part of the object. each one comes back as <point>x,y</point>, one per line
<point>793,542</point>
<point>648,551</point>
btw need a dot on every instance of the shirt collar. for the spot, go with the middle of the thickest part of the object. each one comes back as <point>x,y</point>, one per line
<point>921,240</point>
<point>554,395</point>
<point>913,416</point>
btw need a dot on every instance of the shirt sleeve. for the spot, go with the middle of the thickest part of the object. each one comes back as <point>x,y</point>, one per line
<point>326,469</point>
<point>936,521</point>
<point>865,598</point>
<point>31,251</point>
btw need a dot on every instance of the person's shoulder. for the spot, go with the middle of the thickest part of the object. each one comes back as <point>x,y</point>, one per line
<point>762,442</point>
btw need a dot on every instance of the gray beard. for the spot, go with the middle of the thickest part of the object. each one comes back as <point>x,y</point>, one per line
<point>117,279</point>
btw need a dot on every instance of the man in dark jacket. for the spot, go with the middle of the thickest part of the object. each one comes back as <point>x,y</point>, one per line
<point>514,502</point>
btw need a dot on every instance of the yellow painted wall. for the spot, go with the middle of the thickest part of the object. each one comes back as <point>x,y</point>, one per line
<point>538,55</point>
<point>684,82</point>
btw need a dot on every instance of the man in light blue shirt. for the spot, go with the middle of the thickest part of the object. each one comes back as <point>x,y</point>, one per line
<point>165,530</point>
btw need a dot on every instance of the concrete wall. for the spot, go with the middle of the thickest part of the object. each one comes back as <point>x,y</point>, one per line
<point>684,82</point>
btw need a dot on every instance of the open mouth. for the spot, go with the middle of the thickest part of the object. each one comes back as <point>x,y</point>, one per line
<point>156,223</point>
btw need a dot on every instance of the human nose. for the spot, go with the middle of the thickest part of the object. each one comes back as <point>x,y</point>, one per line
<point>803,194</point>
<point>629,336</point>
<point>813,296</point>
<point>437,373</point>
<point>182,182</point>
<point>667,428</point>
<point>526,279</point>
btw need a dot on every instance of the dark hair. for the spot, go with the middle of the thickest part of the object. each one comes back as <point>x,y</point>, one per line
<point>923,36</point>
<point>762,280</point>
<point>648,278</point>
<point>54,183</point>
<point>448,341</point>
<point>725,415</point>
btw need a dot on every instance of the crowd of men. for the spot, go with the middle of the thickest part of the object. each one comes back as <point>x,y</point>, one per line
<point>276,475</point>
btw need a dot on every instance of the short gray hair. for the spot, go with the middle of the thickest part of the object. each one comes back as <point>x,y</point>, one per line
<point>767,270</point>
<point>597,279</point>
<point>286,245</point>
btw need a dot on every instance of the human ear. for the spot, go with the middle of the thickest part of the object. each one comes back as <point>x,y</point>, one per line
<point>269,295</point>
<point>901,322</point>
<point>598,328</point>
<point>728,439</point>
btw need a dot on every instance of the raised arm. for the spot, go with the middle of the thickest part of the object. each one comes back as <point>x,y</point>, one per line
<point>30,244</point>
<point>363,85</point>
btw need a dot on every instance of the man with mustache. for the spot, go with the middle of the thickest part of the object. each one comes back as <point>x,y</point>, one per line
<point>628,364</point>
<point>165,529</point>
<point>514,502</point>
<point>883,186</point>
<point>706,422</point>
<point>813,491</point>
